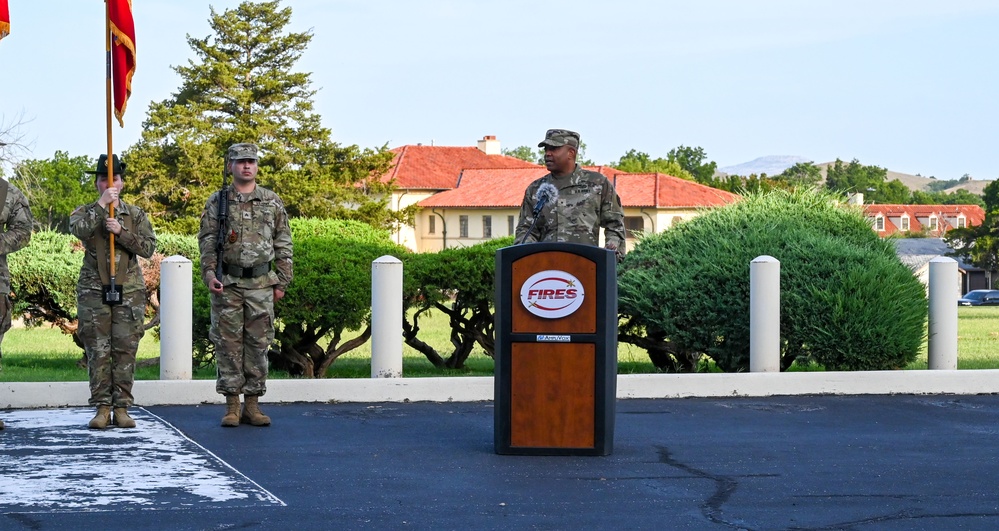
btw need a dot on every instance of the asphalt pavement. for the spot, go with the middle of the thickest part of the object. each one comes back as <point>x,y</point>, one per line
<point>806,462</point>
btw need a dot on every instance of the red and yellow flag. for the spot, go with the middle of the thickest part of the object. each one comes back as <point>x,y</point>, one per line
<point>122,53</point>
<point>4,19</point>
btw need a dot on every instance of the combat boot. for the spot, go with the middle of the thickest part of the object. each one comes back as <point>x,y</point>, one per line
<point>252,414</point>
<point>101,419</point>
<point>231,418</point>
<point>121,418</point>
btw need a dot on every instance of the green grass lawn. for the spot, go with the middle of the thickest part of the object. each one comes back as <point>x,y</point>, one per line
<point>45,354</point>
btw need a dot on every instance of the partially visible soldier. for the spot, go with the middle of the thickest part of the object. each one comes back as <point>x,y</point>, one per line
<point>15,233</point>
<point>111,331</point>
<point>586,200</point>
<point>257,237</point>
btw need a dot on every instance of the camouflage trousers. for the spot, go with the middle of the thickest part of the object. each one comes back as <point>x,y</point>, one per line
<point>6,309</point>
<point>242,332</point>
<point>111,335</point>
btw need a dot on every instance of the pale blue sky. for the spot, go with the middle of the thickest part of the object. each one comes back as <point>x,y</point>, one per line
<point>911,86</point>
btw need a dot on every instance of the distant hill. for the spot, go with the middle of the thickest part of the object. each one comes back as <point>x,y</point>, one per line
<point>770,165</point>
<point>775,164</point>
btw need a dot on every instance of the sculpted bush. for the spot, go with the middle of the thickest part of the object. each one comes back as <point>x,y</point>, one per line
<point>457,281</point>
<point>847,301</point>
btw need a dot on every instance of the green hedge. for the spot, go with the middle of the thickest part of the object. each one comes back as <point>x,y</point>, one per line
<point>847,302</point>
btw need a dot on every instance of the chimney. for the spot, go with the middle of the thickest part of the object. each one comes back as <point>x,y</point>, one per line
<point>489,145</point>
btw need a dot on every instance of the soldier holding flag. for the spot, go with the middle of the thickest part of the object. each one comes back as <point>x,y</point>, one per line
<point>111,327</point>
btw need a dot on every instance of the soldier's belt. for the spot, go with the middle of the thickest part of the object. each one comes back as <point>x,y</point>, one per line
<point>246,272</point>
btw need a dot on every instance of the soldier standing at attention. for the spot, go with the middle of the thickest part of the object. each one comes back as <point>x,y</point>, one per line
<point>111,323</point>
<point>15,233</point>
<point>585,202</point>
<point>257,235</point>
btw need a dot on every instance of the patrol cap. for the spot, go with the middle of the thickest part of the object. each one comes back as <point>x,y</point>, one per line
<point>559,138</point>
<point>117,166</point>
<point>243,151</point>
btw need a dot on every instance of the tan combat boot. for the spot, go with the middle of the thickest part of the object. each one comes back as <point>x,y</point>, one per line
<point>231,418</point>
<point>252,414</point>
<point>101,419</point>
<point>121,418</point>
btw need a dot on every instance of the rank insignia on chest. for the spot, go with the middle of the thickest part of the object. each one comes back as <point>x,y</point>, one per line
<point>247,215</point>
<point>232,236</point>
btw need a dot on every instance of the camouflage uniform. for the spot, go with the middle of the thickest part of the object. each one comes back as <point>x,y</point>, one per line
<point>586,201</point>
<point>111,333</point>
<point>243,315</point>
<point>15,233</point>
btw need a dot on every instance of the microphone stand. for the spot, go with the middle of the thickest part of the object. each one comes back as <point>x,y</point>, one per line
<point>537,211</point>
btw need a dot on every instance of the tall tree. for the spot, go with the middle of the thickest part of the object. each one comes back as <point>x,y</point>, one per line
<point>55,187</point>
<point>638,162</point>
<point>12,142</point>
<point>525,153</point>
<point>979,245</point>
<point>801,174</point>
<point>692,160</point>
<point>241,87</point>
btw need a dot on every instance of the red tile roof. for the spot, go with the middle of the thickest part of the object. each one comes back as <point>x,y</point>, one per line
<point>487,189</point>
<point>665,191</point>
<point>438,167</point>
<point>504,188</point>
<point>974,215</point>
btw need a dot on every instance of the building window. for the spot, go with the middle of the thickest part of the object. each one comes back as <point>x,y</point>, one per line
<point>961,222</point>
<point>933,223</point>
<point>462,226</point>
<point>879,223</point>
<point>905,224</point>
<point>509,225</point>
<point>431,224</point>
<point>633,224</point>
<point>487,226</point>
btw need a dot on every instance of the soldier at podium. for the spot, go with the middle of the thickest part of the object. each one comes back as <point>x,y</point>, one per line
<point>570,204</point>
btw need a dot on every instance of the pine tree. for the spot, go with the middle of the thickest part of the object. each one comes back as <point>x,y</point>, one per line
<point>241,87</point>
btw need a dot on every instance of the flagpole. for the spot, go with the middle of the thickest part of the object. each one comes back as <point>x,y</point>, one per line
<point>110,152</point>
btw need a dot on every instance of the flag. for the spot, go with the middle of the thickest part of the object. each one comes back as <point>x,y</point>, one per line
<point>122,53</point>
<point>4,19</point>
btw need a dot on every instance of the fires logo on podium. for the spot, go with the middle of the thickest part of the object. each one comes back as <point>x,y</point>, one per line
<point>552,294</point>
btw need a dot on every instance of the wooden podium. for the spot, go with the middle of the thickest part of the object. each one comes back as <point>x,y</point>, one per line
<point>556,349</point>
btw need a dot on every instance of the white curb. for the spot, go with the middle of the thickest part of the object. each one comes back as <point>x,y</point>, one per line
<point>17,395</point>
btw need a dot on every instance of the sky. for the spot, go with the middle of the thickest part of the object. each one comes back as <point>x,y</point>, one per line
<point>909,86</point>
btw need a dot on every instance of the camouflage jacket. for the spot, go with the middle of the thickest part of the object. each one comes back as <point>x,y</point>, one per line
<point>15,230</point>
<point>258,233</point>
<point>136,239</point>
<point>586,201</point>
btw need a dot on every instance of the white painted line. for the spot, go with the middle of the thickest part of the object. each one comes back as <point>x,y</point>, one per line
<point>51,462</point>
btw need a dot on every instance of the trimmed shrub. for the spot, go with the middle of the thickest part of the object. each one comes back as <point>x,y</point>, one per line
<point>459,282</point>
<point>847,301</point>
<point>43,279</point>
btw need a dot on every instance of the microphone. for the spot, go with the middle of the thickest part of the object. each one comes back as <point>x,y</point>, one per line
<point>546,194</point>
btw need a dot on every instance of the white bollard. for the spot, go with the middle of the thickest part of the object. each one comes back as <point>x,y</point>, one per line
<point>942,341</point>
<point>176,318</point>
<point>764,314</point>
<point>386,317</point>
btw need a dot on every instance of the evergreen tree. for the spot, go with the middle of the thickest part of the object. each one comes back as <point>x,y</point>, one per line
<point>55,187</point>
<point>241,87</point>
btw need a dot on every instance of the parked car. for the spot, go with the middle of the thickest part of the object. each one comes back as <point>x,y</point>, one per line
<point>980,297</point>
